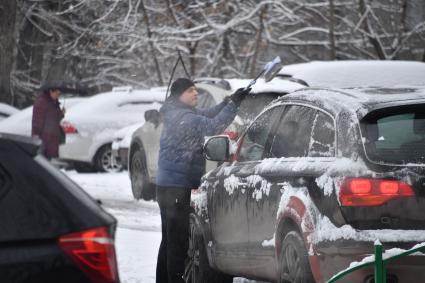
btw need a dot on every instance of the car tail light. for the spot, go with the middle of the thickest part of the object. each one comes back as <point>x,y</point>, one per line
<point>93,252</point>
<point>68,128</point>
<point>232,135</point>
<point>372,192</point>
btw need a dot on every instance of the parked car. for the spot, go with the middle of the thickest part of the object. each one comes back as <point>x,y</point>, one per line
<point>90,126</point>
<point>359,73</point>
<point>144,146</point>
<point>51,230</point>
<point>315,180</point>
<point>121,142</point>
<point>6,110</point>
<point>20,122</point>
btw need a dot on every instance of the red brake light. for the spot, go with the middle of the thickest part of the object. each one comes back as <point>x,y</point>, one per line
<point>232,135</point>
<point>360,186</point>
<point>93,252</point>
<point>372,192</point>
<point>68,128</point>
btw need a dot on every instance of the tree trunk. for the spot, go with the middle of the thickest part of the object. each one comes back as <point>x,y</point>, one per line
<point>151,46</point>
<point>363,6</point>
<point>7,47</point>
<point>258,42</point>
<point>331,30</point>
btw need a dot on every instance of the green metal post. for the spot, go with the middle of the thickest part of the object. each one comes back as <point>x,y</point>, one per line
<point>379,264</point>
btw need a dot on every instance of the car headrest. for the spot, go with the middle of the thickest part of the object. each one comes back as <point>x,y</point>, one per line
<point>419,124</point>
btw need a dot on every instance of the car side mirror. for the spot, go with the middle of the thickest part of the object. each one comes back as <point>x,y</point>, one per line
<point>217,148</point>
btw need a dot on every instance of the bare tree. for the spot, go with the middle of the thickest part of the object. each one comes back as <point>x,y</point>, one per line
<point>7,47</point>
<point>104,43</point>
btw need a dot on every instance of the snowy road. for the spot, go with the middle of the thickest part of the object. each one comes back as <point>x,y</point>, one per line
<point>139,225</point>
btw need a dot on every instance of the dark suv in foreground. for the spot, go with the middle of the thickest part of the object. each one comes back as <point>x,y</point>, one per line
<point>316,179</point>
<point>51,230</point>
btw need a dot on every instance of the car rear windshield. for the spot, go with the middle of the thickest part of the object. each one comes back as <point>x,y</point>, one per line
<point>395,135</point>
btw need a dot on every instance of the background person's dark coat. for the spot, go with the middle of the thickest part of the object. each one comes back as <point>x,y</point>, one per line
<point>181,162</point>
<point>46,123</point>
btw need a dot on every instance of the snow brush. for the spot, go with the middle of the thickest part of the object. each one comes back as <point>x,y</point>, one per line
<point>269,71</point>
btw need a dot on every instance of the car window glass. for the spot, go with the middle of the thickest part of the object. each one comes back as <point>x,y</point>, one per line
<point>252,105</point>
<point>322,143</point>
<point>254,141</point>
<point>292,138</point>
<point>396,137</point>
<point>205,99</point>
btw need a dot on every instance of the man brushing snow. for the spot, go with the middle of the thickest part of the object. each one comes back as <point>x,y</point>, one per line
<point>181,165</point>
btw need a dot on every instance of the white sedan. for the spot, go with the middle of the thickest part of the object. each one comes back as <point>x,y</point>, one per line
<point>90,126</point>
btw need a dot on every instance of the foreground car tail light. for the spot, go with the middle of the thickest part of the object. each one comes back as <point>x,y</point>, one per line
<point>372,192</point>
<point>68,128</point>
<point>93,252</point>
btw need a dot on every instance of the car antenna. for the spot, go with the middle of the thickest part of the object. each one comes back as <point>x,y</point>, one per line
<point>179,59</point>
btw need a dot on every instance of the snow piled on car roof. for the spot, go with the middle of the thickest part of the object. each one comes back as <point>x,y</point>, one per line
<point>361,73</point>
<point>277,84</point>
<point>103,101</point>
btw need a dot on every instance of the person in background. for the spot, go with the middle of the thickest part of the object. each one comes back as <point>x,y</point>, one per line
<point>181,165</point>
<point>46,118</point>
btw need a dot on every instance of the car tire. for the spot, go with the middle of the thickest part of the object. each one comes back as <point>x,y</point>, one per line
<point>197,267</point>
<point>294,266</point>
<point>140,185</point>
<point>82,167</point>
<point>105,162</point>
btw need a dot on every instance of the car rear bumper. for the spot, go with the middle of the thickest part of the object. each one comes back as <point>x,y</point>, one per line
<point>76,148</point>
<point>333,257</point>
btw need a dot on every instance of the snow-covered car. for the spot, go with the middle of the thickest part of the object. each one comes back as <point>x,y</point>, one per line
<point>90,126</point>
<point>121,143</point>
<point>6,110</point>
<point>52,231</point>
<point>20,122</point>
<point>144,147</point>
<point>316,179</point>
<point>360,73</point>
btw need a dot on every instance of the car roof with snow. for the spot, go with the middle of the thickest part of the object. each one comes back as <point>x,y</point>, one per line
<point>276,85</point>
<point>356,100</point>
<point>360,73</point>
<point>103,101</point>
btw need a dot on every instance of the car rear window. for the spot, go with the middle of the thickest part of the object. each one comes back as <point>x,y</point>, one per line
<point>395,135</point>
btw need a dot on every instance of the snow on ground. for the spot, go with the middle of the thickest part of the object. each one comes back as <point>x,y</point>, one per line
<point>139,224</point>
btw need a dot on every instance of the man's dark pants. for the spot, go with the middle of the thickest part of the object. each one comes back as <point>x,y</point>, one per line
<point>174,204</point>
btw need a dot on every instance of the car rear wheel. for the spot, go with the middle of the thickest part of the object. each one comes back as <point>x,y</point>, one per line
<point>294,266</point>
<point>140,185</point>
<point>105,162</point>
<point>197,269</point>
